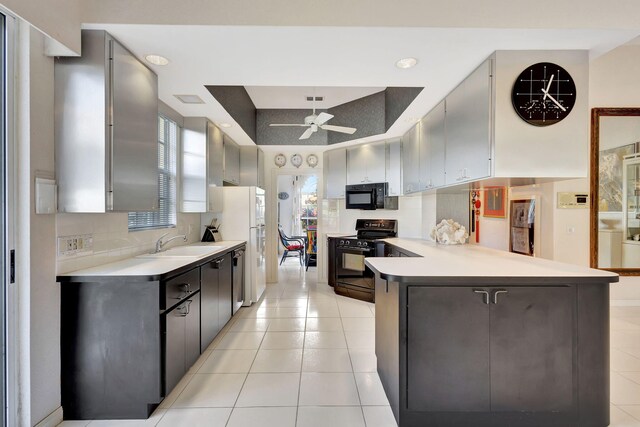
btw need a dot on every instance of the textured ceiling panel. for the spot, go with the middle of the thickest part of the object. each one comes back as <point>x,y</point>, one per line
<point>268,135</point>
<point>365,114</point>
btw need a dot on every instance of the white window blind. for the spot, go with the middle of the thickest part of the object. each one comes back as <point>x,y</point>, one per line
<point>165,216</point>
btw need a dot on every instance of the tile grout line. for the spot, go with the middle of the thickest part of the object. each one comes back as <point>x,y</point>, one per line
<point>364,420</point>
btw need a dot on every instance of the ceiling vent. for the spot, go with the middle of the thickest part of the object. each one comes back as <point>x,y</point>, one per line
<point>190,99</point>
<point>318,98</point>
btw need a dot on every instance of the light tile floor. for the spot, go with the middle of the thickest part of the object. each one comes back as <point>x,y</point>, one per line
<point>305,357</point>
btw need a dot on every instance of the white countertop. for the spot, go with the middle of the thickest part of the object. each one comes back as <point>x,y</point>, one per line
<point>472,261</point>
<point>139,266</point>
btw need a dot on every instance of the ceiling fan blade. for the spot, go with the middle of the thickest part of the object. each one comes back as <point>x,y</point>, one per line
<point>307,133</point>
<point>341,129</point>
<point>292,124</point>
<point>323,118</point>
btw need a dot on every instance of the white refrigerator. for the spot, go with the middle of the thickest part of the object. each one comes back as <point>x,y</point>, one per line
<point>243,219</point>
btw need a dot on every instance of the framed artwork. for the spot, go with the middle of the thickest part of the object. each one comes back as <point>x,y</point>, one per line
<point>522,214</point>
<point>495,202</point>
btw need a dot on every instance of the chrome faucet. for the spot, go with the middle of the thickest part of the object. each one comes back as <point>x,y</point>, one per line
<point>160,244</point>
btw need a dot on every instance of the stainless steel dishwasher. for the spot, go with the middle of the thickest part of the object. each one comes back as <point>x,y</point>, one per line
<point>238,279</point>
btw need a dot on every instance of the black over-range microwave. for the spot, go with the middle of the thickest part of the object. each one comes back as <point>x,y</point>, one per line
<point>366,196</point>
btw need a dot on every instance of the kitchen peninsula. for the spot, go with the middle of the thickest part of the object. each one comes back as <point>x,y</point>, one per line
<point>467,335</point>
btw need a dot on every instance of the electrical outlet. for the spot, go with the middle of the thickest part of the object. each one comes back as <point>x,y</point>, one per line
<point>75,245</point>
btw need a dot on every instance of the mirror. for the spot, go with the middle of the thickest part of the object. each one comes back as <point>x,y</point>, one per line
<point>615,189</point>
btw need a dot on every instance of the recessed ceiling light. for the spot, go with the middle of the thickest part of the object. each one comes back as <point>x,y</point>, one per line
<point>156,59</point>
<point>190,99</point>
<point>406,63</point>
<point>225,125</point>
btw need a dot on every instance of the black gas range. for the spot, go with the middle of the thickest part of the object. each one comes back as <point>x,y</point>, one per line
<point>348,273</point>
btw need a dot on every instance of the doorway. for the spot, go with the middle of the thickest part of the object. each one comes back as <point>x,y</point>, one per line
<point>297,218</point>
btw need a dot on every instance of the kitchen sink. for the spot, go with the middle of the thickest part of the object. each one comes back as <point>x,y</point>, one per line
<point>184,252</point>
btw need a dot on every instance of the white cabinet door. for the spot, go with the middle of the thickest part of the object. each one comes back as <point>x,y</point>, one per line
<point>411,160</point>
<point>376,162</point>
<point>394,167</point>
<point>231,161</point>
<point>356,165</point>
<point>335,173</point>
<point>432,148</point>
<point>468,128</point>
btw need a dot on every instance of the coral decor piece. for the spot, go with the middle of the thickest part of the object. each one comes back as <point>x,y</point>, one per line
<point>449,232</point>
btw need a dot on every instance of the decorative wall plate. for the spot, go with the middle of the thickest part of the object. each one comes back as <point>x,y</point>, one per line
<point>312,160</point>
<point>280,160</point>
<point>296,160</point>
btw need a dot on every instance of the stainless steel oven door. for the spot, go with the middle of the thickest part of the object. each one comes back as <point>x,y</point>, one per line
<point>350,267</point>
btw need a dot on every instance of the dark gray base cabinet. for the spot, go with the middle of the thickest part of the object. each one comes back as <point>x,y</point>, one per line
<point>217,302</point>
<point>528,355</point>
<point>127,341</point>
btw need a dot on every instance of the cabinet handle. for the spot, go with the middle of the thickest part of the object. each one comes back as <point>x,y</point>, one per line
<point>495,294</point>
<point>485,295</point>
<point>184,310</point>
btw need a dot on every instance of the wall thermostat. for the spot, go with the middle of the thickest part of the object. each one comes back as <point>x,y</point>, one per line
<point>573,201</point>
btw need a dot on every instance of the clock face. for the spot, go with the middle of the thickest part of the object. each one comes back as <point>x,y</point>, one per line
<point>296,160</point>
<point>280,160</point>
<point>543,94</point>
<point>312,160</point>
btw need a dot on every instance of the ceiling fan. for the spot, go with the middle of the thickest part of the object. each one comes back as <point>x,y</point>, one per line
<point>315,122</point>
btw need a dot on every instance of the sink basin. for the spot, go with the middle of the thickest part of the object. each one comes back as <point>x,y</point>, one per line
<point>183,252</point>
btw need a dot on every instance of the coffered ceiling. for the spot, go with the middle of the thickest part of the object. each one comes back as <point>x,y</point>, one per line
<point>278,64</point>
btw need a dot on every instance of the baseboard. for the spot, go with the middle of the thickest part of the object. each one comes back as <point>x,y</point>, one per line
<point>624,302</point>
<point>52,420</point>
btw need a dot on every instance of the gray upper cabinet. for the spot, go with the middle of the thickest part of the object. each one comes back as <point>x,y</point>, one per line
<point>201,172</point>
<point>394,167</point>
<point>468,128</point>
<point>432,148</point>
<point>231,161</point>
<point>366,164</point>
<point>251,166</point>
<point>335,173</point>
<point>106,133</point>
<point>411,160</point>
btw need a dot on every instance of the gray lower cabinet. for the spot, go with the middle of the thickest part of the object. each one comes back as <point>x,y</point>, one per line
<point>181,331</point>
<point>514,354</point>
<point>126,341</point>
<point>216,286</point>
<point>518,353</point>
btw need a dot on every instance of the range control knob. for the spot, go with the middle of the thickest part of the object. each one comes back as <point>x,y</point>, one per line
<point>365,244</point>
<point>359,243</point>
<point>342,242</point>
<point>347,242</point>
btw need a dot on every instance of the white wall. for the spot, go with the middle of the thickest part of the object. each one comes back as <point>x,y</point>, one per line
<point>614,83</point>
<point>38,293</point>
<point>60,20</point>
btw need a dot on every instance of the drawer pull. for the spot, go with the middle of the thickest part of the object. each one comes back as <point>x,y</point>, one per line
<point>495,294</point>
<point>485,295</point>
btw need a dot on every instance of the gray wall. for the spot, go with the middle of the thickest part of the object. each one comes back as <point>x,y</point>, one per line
<point>238,104</point>
<point>267,135</point>
<point>397,99</point>
<point>365,114</point>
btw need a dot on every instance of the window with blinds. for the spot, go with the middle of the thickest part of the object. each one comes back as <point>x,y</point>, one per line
<point>165,216</point>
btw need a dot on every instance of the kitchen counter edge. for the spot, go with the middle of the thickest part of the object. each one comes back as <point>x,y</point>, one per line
<point>190,264</point>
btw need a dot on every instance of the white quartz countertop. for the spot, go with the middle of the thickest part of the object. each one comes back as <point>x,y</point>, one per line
<point>450,261</point>
<point>143,266</point>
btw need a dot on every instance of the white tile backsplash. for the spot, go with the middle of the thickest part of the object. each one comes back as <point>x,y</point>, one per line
<point>112,240</point>
<point>409,216</point>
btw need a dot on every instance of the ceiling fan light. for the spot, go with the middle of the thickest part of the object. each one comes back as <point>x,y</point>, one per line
<point>405,63</point>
